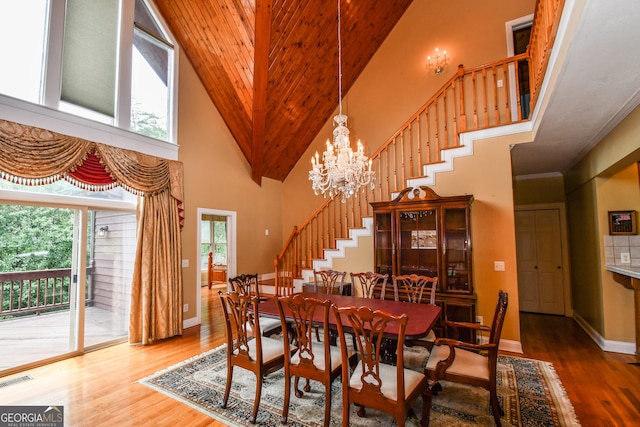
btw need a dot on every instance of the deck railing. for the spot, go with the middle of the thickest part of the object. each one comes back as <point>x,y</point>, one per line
<point>473,99</point>
<point>29,292</point>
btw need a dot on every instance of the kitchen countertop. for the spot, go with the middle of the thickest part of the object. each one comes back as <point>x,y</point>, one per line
<point>627,271</point>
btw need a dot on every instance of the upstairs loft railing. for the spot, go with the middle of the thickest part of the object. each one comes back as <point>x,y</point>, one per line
<point>478,98</point>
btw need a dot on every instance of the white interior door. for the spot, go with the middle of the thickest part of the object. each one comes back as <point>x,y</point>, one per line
<point>540,264</point>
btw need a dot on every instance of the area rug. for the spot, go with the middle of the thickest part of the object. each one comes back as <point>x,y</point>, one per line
<point>529,390</point>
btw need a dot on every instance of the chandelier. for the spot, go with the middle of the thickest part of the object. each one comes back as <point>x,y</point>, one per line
<point>342,171</point>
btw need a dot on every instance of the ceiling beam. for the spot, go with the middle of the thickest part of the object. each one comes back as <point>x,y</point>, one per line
<point>260,80</point>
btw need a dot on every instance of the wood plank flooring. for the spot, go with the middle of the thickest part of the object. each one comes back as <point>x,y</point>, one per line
<point>100,389</point>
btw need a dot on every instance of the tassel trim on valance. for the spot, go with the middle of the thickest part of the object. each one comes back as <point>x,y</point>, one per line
<point>32,156</point>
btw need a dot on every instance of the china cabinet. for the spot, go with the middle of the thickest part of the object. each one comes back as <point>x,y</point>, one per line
<point>420,232</point>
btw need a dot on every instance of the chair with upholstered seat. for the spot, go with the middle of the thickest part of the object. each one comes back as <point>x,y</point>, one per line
<point>247,284</point>
<point>469,363</point>
<point>415,288</point>
<point>246,349</point>
<point>317,361</point>
<point>369,284</point>
<point>373,384</point>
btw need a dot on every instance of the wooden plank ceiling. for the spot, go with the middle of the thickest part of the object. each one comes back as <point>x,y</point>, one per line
<point>271,66</point>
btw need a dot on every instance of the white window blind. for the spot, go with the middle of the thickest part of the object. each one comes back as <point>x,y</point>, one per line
<point>90,55</point>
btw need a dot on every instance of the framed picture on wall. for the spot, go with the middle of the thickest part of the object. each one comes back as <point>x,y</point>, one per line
<point>622,222</point>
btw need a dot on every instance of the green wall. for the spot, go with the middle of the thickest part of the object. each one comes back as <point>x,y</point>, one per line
<point>592,187</point>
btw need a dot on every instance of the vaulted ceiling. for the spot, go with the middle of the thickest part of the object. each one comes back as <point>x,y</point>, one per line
<point>271,66</point>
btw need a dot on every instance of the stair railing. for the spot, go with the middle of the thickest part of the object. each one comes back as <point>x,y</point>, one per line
<point>543,34</point>
<point>478,98</point>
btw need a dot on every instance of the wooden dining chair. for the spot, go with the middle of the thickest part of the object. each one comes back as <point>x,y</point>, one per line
<point>246,349</point>
<point>317,361</point>
<point>328,281</point>
<point>416,289</point>
<point>369,284</point>
<point>247,284</point>
<point>469,363</point>
<point>373,384</point>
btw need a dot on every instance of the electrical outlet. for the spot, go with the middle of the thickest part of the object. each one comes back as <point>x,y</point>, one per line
<point>625,258</point>
<point>498,265</point>
<point>480,320</point>
<point>185,308</point>
<point>185,263</point>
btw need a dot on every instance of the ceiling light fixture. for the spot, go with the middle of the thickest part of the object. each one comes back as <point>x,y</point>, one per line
<point>342,171</point>
<point>439,62</point>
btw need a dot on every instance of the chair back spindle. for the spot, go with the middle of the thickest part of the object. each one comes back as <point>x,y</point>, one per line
<point>245,284</point>
<point>413,288</point>
<point>369,284</point>
<point>329,281</point>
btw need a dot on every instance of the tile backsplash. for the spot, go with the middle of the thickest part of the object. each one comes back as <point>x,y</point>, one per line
<point>615,246</point>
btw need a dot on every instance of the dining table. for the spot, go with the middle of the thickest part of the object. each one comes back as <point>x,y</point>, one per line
<point>420,317</point>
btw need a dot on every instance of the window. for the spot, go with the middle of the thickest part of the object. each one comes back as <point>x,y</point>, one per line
<point>108,61</point>
<point>213,238</point>
<point>89,55</point>
<point>220,242</point>
<point>23,26</point>
<point>150,74</point>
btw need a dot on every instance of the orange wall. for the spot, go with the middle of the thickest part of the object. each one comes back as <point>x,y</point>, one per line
<point>396,83</point>
<point>217,176</point>
<point>393,86</point>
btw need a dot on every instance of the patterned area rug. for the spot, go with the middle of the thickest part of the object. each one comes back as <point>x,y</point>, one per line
<point>530,394</point>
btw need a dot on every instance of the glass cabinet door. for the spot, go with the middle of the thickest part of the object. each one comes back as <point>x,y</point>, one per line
<point>418,242</point>
<point>456,254</point>
<point>384,244</point>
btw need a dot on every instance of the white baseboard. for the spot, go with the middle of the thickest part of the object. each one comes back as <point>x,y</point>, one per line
<point>188,323</point>
<point>606,345</point>
<point>506,345</point>
<point>511,346</point>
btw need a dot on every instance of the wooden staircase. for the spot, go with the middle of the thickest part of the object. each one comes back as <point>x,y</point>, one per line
<point>444,128</point>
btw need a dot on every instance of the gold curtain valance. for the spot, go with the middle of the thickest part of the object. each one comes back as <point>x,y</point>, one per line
<point>39,156</point>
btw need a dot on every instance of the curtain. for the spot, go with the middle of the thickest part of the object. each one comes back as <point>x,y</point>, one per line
<point>35,156</point>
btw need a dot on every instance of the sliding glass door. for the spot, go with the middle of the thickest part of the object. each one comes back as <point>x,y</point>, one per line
<point>65,277</point>
<point>111,252</point>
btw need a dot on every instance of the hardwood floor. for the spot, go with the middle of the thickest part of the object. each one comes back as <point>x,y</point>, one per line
<point>603,387</point>
<point>100,389</point>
